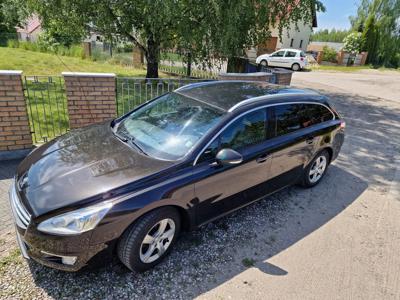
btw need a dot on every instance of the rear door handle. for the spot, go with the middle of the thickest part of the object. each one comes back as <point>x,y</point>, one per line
<point>262,158</point>
<point>310,140</point>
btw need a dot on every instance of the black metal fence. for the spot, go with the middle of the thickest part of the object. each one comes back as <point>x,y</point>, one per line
<point>47,107</point>
<point>132,92</point>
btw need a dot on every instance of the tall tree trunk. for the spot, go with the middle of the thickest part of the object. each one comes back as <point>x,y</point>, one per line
<point>152,57</point>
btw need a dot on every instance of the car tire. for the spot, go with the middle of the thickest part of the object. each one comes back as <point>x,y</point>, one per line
<point>296,67</point>
<point>264,63</point>
<point>316,169</point>
<point>136,243</point>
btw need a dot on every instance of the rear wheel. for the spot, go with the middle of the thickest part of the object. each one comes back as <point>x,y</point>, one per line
<point>316,169</point>
<point>295,67</point>
<point>149,240</point>
<point>264,63</point>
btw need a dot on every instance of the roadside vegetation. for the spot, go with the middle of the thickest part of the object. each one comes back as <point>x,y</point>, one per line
<point>349,69</point>
<point>332,35</point>
<point>37,63</point>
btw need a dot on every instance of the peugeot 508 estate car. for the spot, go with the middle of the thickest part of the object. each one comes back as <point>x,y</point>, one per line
<point>172,164</point>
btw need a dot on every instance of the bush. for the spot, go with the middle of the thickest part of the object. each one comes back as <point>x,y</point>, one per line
<point>124,59</point>
<point>353,42</point>
<point>43,45</point>
<point>12,44</point>
<point>99,55</point>
<point>329,54</point>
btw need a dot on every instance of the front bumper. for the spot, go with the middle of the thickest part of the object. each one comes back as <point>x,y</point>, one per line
<point>68,253</point>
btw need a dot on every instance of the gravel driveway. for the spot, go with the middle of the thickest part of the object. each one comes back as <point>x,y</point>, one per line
<point>338,240</point>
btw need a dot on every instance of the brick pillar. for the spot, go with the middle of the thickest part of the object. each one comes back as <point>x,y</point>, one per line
<point>282,76</point>
<point>91,97</point>
<point>320,56</point>
<point>15,133</point>
<point>364,58</point>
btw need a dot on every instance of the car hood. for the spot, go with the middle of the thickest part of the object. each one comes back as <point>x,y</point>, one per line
<point>81,164</point>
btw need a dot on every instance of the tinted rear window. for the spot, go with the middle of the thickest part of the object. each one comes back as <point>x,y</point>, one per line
<point>292,117</point>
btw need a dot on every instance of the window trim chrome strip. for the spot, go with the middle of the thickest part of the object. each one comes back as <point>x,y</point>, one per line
<point>249,111</point>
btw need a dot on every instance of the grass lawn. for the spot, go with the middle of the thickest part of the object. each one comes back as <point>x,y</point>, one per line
<point>349,69</point>
<point>36,63</point>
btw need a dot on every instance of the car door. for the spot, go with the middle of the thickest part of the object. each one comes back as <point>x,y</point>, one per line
<point>289,59</point>
<point>222,188</point>
<point>275,59</point>
<point>292,145</point>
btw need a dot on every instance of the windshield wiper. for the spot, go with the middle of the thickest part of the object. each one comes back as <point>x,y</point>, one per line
<point>130,140</point>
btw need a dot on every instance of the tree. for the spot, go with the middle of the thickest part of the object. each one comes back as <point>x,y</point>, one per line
<point>353,43</point>
<point>332,35</point>
<point>11,15</point>
<point>380,24</point>
<point>207,29</point>
<point>370,38</point>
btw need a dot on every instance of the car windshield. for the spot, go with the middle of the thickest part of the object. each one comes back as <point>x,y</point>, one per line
<point>170,126</point>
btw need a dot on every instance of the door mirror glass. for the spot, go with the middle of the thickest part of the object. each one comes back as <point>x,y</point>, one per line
<point>229,157</point>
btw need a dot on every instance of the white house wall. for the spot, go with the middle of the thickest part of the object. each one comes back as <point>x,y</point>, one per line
<point>300,36</point>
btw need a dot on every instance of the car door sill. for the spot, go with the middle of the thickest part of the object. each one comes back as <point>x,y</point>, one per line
<point>239,207</point>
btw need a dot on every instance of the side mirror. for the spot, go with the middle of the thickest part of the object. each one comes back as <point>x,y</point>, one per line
<point>229,156</point>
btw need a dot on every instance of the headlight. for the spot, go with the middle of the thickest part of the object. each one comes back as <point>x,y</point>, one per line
<point>77,221</point>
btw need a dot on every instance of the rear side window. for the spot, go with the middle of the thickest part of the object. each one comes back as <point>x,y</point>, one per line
<point>290,54</point>
<point>302,54</point>
<point>247,131</point>
<point>292,117</point>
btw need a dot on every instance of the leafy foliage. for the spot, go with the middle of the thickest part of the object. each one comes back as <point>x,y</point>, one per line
<point>379,22</point>
<point>208,29</point>
<point>332,35</point>
<point>330,54</point>
<point>353,42</point>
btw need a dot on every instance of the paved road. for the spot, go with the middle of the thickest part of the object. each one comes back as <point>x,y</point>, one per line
<point>355,253</point>
<point>339,240</point>
<point>366,83</point>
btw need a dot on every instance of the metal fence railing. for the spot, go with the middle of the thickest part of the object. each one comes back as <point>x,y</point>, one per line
<point>132,92</point>
<point>47,107</point>
<point>181,70</point>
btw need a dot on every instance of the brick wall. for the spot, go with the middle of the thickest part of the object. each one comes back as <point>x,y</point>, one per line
<point>91,97</point>
<point>257,76</point>
<point>15,134</point>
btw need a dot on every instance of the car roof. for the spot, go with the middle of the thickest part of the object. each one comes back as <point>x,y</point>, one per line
<point>289,49</point>
<point>228,95</point>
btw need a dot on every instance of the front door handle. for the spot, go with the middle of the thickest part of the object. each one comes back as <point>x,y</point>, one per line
<point>310,140</point>
<point>262,158</point>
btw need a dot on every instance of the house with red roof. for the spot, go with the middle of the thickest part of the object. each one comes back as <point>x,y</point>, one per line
<point>30,32</point>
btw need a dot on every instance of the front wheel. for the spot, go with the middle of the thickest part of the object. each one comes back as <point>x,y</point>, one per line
<point>150,239</point>
<point>316,169</point>
<point>264,63</point>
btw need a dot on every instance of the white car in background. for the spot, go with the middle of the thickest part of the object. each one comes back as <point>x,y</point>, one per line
<point>285,58</point>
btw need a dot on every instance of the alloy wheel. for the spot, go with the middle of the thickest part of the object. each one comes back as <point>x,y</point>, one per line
<point>157,240</point>
<point>317,169</point>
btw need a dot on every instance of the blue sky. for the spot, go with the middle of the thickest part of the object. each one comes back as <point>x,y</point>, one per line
<point>337,14</point>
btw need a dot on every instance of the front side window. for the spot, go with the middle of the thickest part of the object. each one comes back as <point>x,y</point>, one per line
<point>278,54</point>
<point>169,127</point>
<point>292,117</point>
<point>246,131</point>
